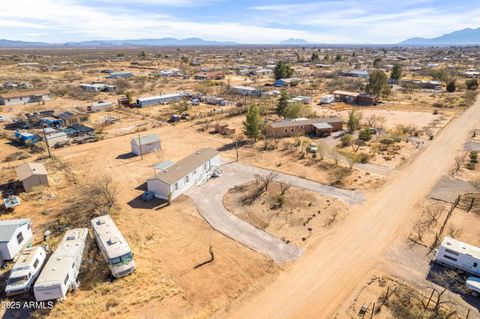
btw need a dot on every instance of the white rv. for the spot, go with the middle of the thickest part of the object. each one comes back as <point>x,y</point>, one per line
<point>62,268</point>
<point>113,246</point>
<point>15,235</point>
<point>25,271</point>
<point>458,255</point>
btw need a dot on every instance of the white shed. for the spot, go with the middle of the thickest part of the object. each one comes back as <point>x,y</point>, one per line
<point>176,179</point>
<point>15,235</point>
<point>145,144</point>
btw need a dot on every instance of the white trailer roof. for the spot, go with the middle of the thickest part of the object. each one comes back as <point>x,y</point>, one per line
<point>110,237</point>
<point>59,264</point>
<point>461,247</point>
<point>473,283</point>
<point>9,227</point>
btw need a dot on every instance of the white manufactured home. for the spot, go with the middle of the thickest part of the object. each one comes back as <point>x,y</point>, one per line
<point>113,246</point>
<point>327,99</point>
<point>145,144</point>
<point>245,90</point>
<point>459,255</point>
<point>25,271</point>
<point>192,170</point>
<point>15,235</point>
<point>62,268</point>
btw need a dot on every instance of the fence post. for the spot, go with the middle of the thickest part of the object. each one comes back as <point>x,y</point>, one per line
<point>468,314</point>
<point>471,204</point>
<point>373,311</point>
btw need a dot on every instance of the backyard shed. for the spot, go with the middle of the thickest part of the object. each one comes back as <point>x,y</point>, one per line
<point>145,144</point>
<point>32,175</point>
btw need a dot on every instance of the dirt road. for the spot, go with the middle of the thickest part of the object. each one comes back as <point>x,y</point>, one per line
<point>321,282</point>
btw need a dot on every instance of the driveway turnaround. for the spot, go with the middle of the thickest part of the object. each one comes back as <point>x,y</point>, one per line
<point>209,200</point>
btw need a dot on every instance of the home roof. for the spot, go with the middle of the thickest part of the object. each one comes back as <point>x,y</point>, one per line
<point>288,123</point>
<point>322,126</point>
<point>8,228</point>
<point>147,139</point>
<point>26,170</point>
<point>347,93</point>
<point>174,173</point>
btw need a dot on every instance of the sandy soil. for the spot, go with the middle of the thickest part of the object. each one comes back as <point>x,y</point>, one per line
<point>301,214</point>
<point>318,285</point>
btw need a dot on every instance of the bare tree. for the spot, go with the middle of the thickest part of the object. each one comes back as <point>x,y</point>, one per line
<point>454,231</point>
<point>284,187</point>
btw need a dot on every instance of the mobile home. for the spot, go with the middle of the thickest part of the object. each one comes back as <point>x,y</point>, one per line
<point>61,271</point>
<point>15,235</point>
<point>113,246</point>
<point>176,179</point>
<point>459,255</point>
<point>25,271</point>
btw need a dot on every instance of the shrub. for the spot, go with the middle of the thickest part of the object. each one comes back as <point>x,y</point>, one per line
<point>365,135</point>
<point>346,140</point>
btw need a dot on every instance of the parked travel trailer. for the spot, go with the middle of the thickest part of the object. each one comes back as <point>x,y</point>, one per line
<point>113,246</point>
<point>62,268</point>
<point>15,235</point>
<point>456,254</point>
<point>25,271</point>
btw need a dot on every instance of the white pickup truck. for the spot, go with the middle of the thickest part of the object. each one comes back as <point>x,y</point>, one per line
<point>25,271</point>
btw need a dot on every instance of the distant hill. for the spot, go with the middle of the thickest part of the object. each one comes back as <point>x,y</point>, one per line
<point>294,41</point>
<point>21,44</point>
<point>115,43</point>
<point>462,37</point>
<point>148,42</point>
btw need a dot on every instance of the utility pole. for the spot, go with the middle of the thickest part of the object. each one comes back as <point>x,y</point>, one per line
<point>46,142</point>
<point>140,146</point>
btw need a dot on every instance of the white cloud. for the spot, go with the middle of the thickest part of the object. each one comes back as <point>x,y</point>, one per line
<point>342,21</point>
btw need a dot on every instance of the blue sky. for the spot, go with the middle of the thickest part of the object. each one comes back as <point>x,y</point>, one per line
<point>248,21</point>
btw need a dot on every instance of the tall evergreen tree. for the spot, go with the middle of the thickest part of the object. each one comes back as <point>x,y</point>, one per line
<point>282,102</point>
<point>253,122</point>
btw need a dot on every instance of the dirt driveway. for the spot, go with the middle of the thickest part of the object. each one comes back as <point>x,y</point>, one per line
<point>209,199</point>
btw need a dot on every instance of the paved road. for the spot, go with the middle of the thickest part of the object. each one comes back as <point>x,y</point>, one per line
<point>324,280</point>
<point>209,200</point>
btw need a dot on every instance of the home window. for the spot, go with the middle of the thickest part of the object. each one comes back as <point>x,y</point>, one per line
<point>66,279</point>
<point>176,186</point>
<point>194,172</point>
<point>186,179</point>
<point>475,265</point>
<point>35,264</point>
<point>20,238</point>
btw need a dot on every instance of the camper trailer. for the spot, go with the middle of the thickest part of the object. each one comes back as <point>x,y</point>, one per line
<point>61,271</point>
<point>458,255</point>
<point>15,235</point>
<point>113,246</point>
<point>25,271</point>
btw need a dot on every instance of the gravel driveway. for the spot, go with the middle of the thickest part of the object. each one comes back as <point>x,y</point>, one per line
<point>209,200</point>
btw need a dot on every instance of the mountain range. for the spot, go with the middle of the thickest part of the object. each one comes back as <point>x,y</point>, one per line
<point>466,36</point>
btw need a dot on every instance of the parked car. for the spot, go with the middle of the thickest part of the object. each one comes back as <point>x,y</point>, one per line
<point>2,118</point>
<point>312,148</point>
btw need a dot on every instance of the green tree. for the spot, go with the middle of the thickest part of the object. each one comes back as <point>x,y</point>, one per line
<point>441,75</point>
<point>451,86</point>
<point>338,58</point>
<point>129,96</point>
<point>377,84</point>
<point>293,110</point>
<point>315,57</point>
<point>282,71</point>
<point>376,63</point>
<point>253,122</point>
<point>354,118</point>
<point>396,72</point>
<point>471,84</point>
<point>282,102</point>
